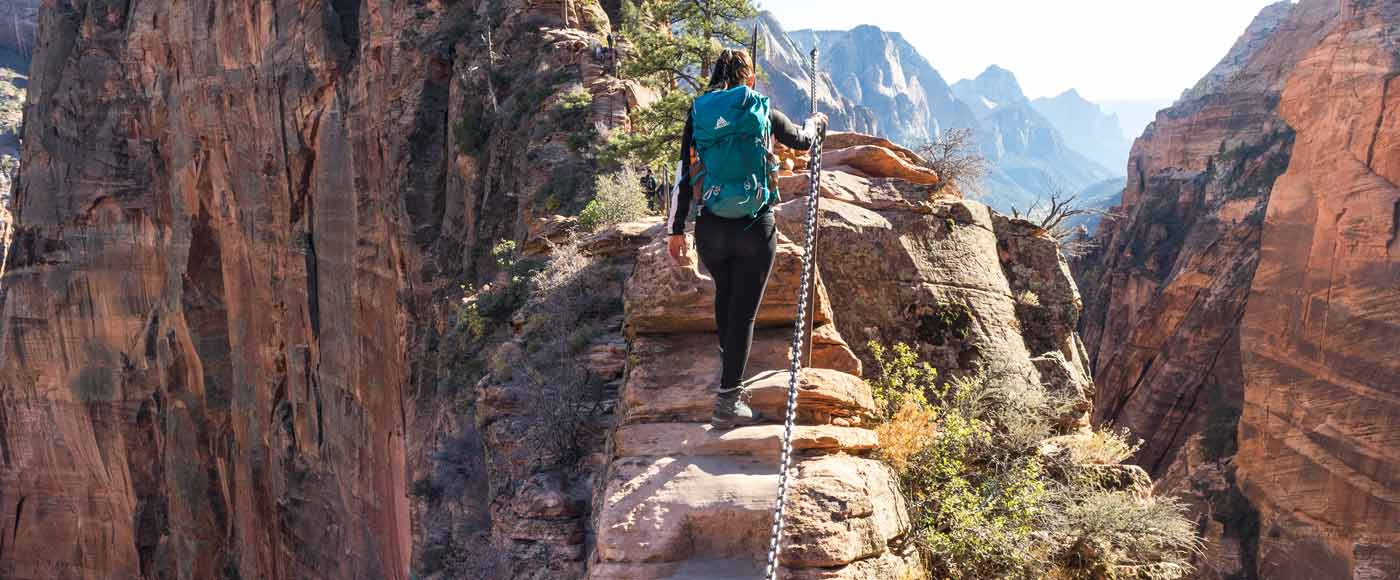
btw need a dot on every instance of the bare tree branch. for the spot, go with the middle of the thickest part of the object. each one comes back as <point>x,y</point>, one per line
<point>955,158</point>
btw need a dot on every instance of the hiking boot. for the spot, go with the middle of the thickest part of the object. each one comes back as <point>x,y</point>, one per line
<point>732,411</point>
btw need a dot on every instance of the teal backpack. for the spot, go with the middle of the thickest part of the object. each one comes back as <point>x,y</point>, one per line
<point>731,131</point>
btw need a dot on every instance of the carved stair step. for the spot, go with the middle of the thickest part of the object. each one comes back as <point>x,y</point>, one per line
<point>660,510</point>
<point>671,379</point>
<point>675,439</point>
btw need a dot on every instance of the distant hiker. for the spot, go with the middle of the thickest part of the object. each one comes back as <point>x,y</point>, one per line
<point>650,186</point>
<point>726,162</point>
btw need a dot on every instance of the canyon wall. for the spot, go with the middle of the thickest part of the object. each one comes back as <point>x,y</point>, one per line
<point>1240,308</point>
<point>237,226</point>
<point>1319,444</point>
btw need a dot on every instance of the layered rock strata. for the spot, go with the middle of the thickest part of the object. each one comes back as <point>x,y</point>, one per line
<point>1240,309</point>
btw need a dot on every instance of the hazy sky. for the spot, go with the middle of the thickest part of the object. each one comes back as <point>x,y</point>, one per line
<point>1108,49</point>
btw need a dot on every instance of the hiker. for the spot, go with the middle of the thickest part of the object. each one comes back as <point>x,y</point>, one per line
<point>726,162</point>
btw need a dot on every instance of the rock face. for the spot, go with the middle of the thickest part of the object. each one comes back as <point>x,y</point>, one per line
<point>1318,437</point>
<point>788,81</point>
<point>240,227</point>
<point>1241,312</point>
<point>882,72</point>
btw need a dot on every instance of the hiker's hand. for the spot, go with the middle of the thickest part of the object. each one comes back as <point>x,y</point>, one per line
<point>816,125</point>
<point>677,247</point>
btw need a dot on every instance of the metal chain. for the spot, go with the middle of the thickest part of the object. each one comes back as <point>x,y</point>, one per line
<point>808,248</point>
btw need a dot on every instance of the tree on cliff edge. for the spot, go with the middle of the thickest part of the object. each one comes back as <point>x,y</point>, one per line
<point>672,43</point>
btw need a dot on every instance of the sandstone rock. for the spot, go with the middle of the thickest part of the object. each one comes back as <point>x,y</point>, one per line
<point>715,512</point>
<point>671,379</point>
<point>1321,327</point>
<point>622,239</point>
<point>929,280</point>
<point>822,394</point>
<point>844,140</point>
<point>877,194</point>
<point>1066,382</point>
<point>1254,321</point>
<point>830,351</point>
<point>699,439</point>
<point>876,161</point>
<point>547,232</point>
<point>666,297</point>
<point>844,510</point>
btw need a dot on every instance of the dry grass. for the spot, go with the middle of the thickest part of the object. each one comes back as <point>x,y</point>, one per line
<point>911,430</point>
<point>1104,447</point>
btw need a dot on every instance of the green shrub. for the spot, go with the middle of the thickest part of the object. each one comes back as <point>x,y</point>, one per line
<point>618,198</point>
<point>984,503</point>
<point>900,379</point>
<point>571,110</point>
<point>504,253</point>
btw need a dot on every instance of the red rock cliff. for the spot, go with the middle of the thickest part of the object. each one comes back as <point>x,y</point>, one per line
<point>216,232</point>
<point>1241,312</point>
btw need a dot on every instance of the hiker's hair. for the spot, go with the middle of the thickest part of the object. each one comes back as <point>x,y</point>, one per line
<point>732,68</point>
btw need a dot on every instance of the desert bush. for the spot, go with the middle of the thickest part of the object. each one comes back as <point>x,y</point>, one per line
<point>900,379</point>
<point>571,109</point>
<point>1057,212</point>
<point>984,503</point>
<point>1105,446</point>
<point>618,198</point>
<point>954,156</point>
<point>567,298</point>
<point>1113,534</point>
<point>499,300</point>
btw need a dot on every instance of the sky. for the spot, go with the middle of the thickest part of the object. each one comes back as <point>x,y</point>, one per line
<point>1110,50</point>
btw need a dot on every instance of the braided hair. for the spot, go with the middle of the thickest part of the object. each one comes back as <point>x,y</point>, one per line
<point>732,68</point>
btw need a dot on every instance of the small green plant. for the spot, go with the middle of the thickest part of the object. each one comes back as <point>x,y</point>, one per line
<point>619,198</point>
<point>900,378</point>
<point>571,109</point>
<point>1027,298</point>
<point>581,139</point>
<point>504,253</point>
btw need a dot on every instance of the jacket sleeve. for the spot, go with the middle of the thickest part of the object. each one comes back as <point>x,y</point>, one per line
<point>680,190</point>
<point>789,134</point>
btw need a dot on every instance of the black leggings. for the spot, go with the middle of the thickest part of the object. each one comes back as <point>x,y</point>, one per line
<point>739,255</point>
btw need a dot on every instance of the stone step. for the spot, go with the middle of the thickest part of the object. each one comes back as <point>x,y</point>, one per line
<point>672,379</point>
<point>700,439</point>
<point>886,567</point>
<point>661,512</point>
<point>688,570</point>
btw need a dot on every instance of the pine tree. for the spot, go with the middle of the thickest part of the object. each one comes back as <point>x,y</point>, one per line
<point>673,43</point>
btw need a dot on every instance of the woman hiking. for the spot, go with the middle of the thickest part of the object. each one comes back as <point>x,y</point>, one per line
<point>726,162</point>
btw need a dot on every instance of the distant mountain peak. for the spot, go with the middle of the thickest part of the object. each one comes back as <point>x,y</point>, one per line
<point>1072,94</point>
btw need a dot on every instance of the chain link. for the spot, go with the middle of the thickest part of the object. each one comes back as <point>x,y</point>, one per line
<point>804,289</point>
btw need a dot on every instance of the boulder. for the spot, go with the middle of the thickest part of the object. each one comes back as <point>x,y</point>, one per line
<point>713,513</point>
<point>877,161</point>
